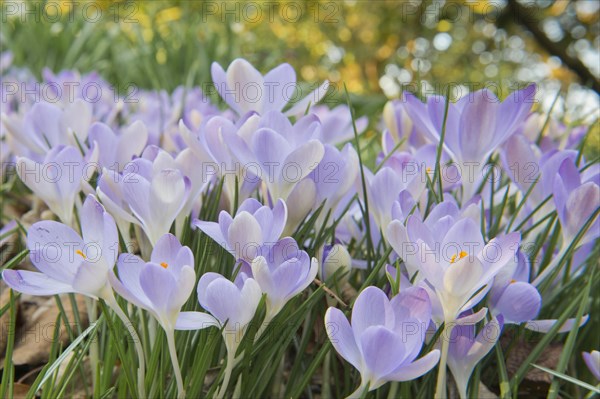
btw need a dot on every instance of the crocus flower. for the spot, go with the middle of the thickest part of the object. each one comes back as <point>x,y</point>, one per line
<point>187,163</point>
<point>46,126</point>
<point>68,262</point>
<point>466,350</point>
<point>592,360</point>
<point>115,151</point>
<point>334,177</point>
<point>576,202</point>
<point>253,226</point>
<point>459,265</point>
<point>476,125</point>
<point>232,306</point>
<point>155,195</point>
<point>80,264</point>
<point>336,123</point>
<point>211,145</point>
<point>161,286</point>
<point>283,271</point>
<point>244,89</point>
<point>385,336</point>
<point>283,153</point>
<point>384,188</point>
<point>333,258</point>
<point>56,180</point>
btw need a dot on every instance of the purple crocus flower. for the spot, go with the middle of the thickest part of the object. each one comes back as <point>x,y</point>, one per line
<point>155,194</point>
<point>399,126</point>
<point>333,258</point>
<point>576,202</point>
<point>467,349</point>
<point>66,261</point>
<point>162,285</point>
<point>336,123</point>
<point>460,267</point>
<point>244,89</point>
<point>592,360</point>
<point>187,163</point>
<point>116,151</point>
<point>385,336</point>
<point>283,153</point>
<point>232,306</point>
<point>334,177</point>
<point>56,180</point>
<point>253,226</point>
<point>476,125</point>
<point>211,145</point>
<point>384,189</point>
<point>46,126</point>
<point>283,271</point>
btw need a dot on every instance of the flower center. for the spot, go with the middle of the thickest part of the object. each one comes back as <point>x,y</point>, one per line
<point>459,256</point>
<point>164,264</point>
<point>80,253</point>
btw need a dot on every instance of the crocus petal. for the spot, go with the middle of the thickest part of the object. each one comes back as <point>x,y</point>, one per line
<point>371,308</point>
<point>90,279</point>
<point>276,82</point>
<point>415,369</point>
<point>195,321</point>
<point>544,326</point>
<point>381,350</point>
<point>312,98</point>
<point>99,230</point>
<point>185,286</point>
<point>341,336</point>
<point>247,84</point>
<point>592,360</point>
<point>518,303</point>
<point>157,283</point>
<point>33,283</point>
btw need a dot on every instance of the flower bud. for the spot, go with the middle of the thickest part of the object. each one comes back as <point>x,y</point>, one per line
<point>332,258</point>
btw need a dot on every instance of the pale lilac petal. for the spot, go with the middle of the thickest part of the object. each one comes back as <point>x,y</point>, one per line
<point>195,321</point>
<point>592,360</point>
<point>341,336</point>
<point>33,283</point>
<point>415,369</point>
<point>544,326</point>
<point>382,350</point>
<point>277,83</point>
<point>157,283</point>
<point>371,308</point>
<point>520,302</point>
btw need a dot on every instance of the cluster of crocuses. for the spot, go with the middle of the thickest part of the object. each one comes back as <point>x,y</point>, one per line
<point>114,172</point>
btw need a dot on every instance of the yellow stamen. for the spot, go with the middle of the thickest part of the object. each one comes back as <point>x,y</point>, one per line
<point>428,169</point>
<point>80,253</point>
<point>513,281</point>
<point>164,264</point>
<point>461,254</point>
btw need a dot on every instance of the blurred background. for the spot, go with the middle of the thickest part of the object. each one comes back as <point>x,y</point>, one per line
<point>377,48</point>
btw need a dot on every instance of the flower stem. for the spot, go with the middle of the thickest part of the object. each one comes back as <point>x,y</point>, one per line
<point>360,392</point>
<point>440,390</point>
<point>228,370</point>
<point>110,300</point>
<point>172,351</point>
